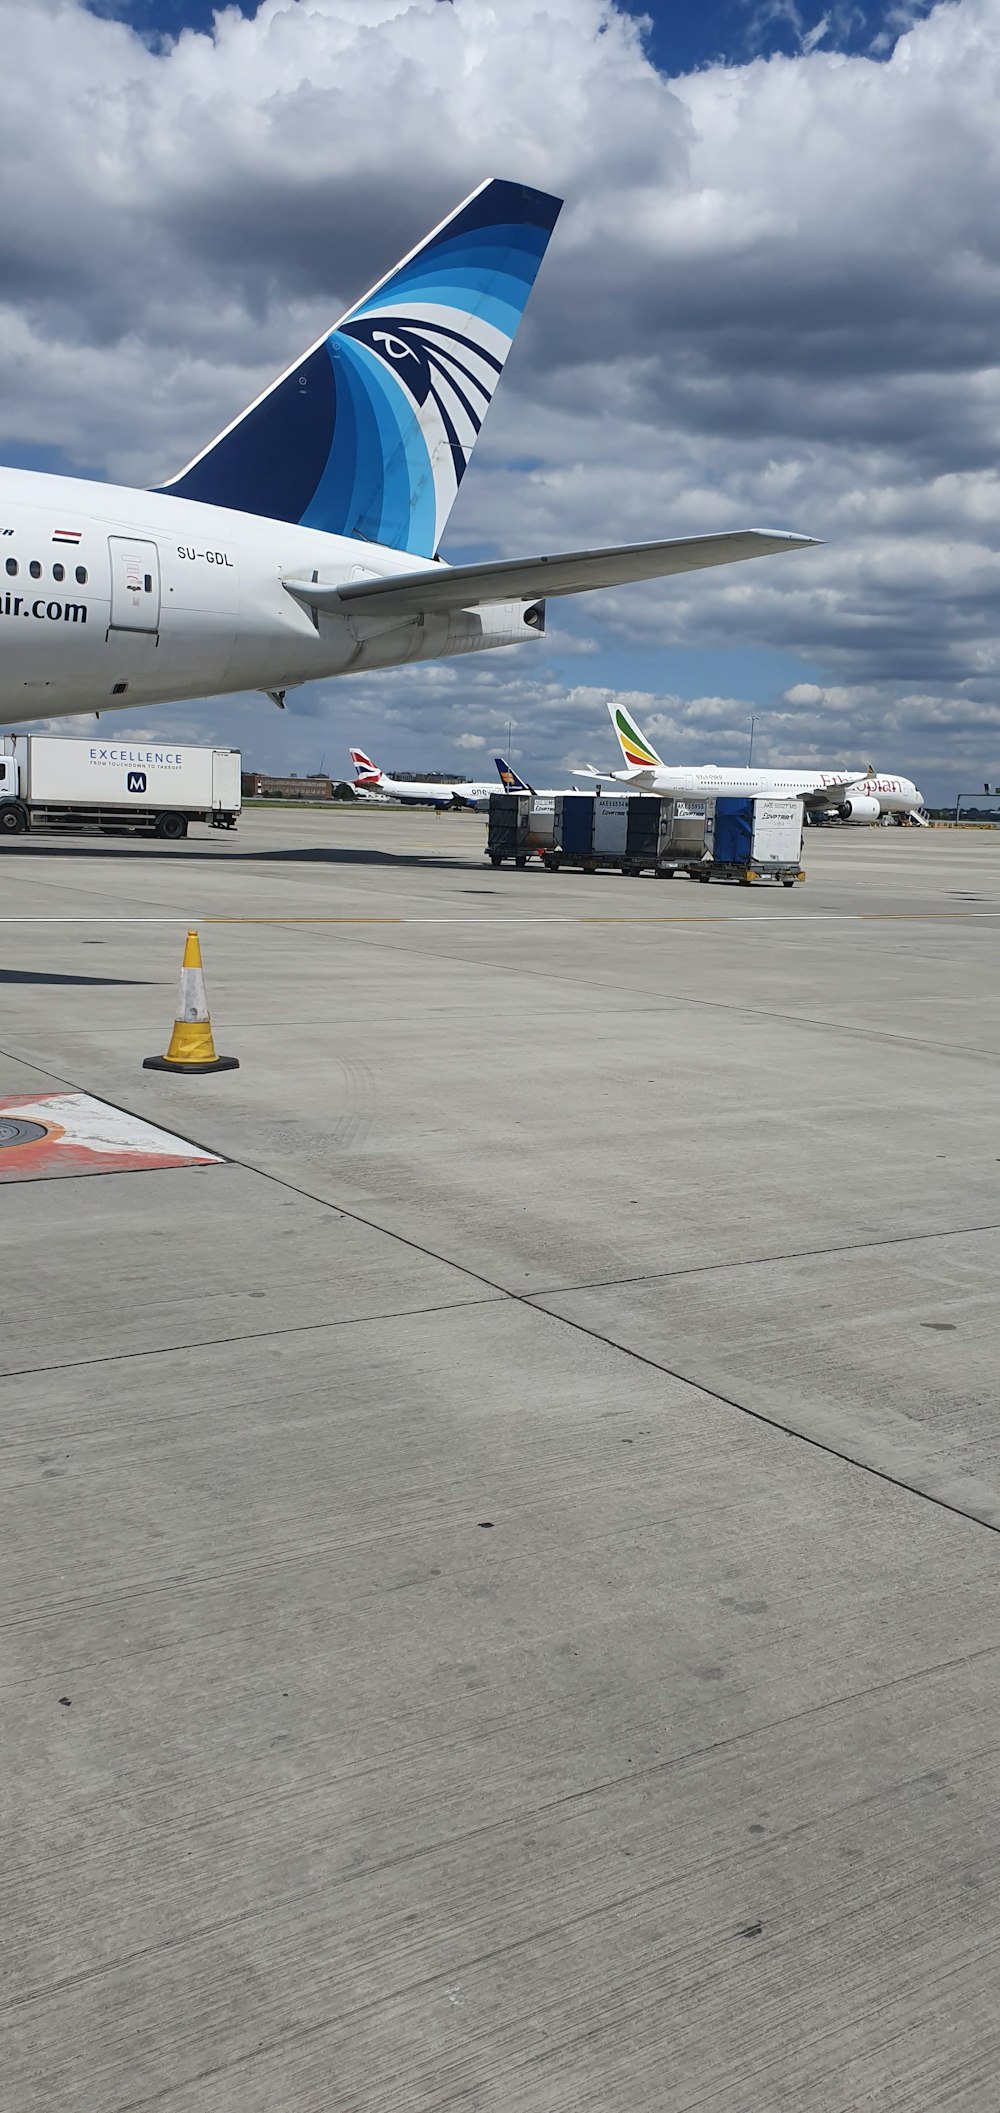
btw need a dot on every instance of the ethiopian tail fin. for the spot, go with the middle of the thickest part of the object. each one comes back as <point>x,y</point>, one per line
<point>509,777</point>
<point>370,433</point>
<point>639,753</point>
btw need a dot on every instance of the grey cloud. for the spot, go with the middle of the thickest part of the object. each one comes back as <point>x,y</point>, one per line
<point>774,296</point>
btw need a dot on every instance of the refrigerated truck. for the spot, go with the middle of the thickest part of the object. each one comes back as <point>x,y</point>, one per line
<point>151,787</point>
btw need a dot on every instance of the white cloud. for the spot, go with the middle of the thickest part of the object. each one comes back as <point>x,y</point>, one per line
<point>774,295</point>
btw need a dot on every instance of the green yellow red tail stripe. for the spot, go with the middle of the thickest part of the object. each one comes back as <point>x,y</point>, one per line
<point>638,753</point>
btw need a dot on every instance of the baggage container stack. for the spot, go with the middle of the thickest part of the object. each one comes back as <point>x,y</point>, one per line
<point>624,832</point>
<point>520,823</point>
<point>741,840</point>
<point>757,840</point>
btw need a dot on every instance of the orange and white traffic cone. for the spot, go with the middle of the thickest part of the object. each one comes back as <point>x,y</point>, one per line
<point>192,1048</point>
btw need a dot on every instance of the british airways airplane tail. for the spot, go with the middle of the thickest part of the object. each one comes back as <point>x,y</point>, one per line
<point>509,778</point>
<point>365,771</point>
<point>369,435</point>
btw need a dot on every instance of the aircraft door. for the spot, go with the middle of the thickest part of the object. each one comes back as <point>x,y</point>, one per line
<point>135,585</point>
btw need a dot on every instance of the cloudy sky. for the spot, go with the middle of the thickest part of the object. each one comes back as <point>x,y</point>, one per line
<point>773,299</point>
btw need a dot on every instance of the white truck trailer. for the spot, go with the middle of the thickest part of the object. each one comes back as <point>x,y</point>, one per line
<point>154,788</point>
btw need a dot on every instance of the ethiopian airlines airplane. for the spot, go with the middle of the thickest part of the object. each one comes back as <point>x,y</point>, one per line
<point>853,795</point>
<point>303,541</point>
<point>418,792</point>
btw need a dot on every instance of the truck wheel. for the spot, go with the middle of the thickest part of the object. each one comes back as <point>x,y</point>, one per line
<point>173,826</point>
<point>495,859</point>
<point>12,818</point>
<point>521,859</point>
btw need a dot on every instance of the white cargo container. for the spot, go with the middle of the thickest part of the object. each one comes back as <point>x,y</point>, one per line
<point>777,832</point>
<point>154,787</point>
<point>610,825</point>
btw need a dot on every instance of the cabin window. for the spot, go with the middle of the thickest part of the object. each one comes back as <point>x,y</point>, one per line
<point>81,575</point>
<point>12,567</point>
<point>35,569</point>
<point>59,572</point>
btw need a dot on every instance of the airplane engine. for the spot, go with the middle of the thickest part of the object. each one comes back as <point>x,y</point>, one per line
<point>388,642</point>
<point>859,808</point>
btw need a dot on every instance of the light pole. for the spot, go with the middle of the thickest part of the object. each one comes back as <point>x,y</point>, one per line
<point>753,721</point>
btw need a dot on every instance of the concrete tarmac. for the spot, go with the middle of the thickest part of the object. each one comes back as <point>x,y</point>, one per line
<point>498,1575</point>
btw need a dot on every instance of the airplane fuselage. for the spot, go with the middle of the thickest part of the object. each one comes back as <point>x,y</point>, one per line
<point>428,792</point>
<point>894,795</point>
<point>117,597</point>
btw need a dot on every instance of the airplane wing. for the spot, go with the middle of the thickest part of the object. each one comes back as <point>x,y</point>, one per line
<point>444,587</point>
<point>825,795</point>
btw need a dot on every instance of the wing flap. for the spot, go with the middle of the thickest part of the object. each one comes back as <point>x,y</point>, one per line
<point>834,783</point>
<point>444,587</point>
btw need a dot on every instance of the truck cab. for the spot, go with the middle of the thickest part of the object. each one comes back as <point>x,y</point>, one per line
<point>12,815</point>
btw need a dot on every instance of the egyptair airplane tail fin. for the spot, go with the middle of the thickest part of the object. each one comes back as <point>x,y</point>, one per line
<point>510,778</point>
<point>639,753</point>
<point>370,433</point>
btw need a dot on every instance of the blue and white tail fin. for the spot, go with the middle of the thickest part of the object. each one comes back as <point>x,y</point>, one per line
<point>509,778</point>
<point>370,433</point>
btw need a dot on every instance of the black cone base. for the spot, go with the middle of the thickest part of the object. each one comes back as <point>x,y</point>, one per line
<point>171,1064</point>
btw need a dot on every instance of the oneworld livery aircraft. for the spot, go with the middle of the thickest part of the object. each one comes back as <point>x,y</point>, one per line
<point>419,792</point>
<point>850,795</point>
<point>303,542</point>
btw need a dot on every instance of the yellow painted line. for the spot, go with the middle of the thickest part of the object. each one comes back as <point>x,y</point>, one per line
<point>303,920</point>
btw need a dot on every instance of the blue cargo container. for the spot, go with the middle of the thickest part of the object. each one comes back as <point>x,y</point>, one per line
<point>733,832</point>
<point>577,834</point>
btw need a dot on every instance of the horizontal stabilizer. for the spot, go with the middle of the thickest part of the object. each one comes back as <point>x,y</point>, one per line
<point>444,587</point>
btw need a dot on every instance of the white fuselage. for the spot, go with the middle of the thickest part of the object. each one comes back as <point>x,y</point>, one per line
<point>427,792</point>
<point>894,795</point>
<point>114,597</point>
